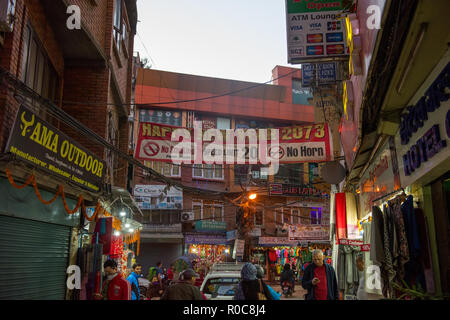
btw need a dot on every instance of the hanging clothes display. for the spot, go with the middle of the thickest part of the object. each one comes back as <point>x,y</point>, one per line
<point>399,243</point>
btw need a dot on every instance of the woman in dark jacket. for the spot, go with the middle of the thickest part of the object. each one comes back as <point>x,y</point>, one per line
<point>287,275</point>
<point>250,286</point>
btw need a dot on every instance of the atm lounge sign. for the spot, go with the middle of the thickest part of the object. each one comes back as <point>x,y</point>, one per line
<point>39,143</point>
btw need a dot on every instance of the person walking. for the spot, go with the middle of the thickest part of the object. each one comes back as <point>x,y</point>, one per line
<point>260,275</point>
<point>115,287</point>
<point>184,288</point>
<point>320,279</point>
<point>250,288</point>
<point>133,279</point>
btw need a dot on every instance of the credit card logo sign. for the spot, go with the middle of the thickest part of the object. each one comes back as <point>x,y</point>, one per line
<point>335,49</point>
<point>335,37</point>
<point>297,39</point>
<point>297,52</point>
<point>334,26</point>
<point>315,26</point>
<point>315,38</point>
<point>314,50</point>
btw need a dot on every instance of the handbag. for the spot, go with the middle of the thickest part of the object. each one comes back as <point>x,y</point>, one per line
<point>261,294</point>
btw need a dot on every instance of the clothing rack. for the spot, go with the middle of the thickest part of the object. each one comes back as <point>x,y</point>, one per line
<point>389,194</point>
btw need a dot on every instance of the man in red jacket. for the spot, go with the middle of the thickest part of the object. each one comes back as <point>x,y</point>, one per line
<point>115,287</point>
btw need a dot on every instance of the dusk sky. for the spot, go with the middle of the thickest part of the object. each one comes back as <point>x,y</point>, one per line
<point>232,39</point>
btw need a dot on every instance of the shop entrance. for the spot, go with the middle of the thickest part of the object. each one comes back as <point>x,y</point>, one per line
<point>33,260</point>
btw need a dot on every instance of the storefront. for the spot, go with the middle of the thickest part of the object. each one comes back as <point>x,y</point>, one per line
<point>423,152</point>
<point>274,252</point>
<point>208,249</point>
<point>43,200</point>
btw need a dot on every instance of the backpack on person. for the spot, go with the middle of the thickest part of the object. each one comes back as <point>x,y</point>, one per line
<point>153,274</point>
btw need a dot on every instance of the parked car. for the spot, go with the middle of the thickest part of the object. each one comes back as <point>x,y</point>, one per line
<point>222,281</point>
<point>221,285</point>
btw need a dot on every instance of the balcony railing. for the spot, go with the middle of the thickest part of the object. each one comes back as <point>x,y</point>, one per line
<point>162,228</point>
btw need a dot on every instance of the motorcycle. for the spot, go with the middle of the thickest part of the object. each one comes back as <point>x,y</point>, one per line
<point>287,288</point>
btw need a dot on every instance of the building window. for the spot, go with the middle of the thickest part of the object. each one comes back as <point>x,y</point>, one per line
<point>164,217</point>
<point>223,123</point>
<point>208,210</point>
<point>300,95</point>
<point>305,217</point>
<point>316,215</point>
<point>37,71</point>
<point>165,168</point>
<point>295,216</point>
<point>259,218</point>
<point>117,33</point>
<point>279,216</point>
<point>208,171</point>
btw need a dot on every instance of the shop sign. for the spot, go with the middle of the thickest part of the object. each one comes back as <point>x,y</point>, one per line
<point>231,235</point>
<point>207,225</point>
<point>276,241</point>
<point>350,242</point>
<point>205,239</point>
<point>314,32</point>
<point>322,73</point>
<point>239,247</point>
<point>161,116</point>
<point>309,232</point>
<point>41,144</point>
<point>255,232</point>
<point>380,178</point>
<point>158,197</point>
<point>423,139</point>
<point>291,190</point>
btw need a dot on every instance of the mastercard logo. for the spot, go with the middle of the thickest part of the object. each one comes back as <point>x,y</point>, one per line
<point>314,50</point>
<point>335,49</point>
<point>315,38</point>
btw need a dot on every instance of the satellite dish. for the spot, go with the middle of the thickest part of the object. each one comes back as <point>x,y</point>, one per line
<point>333,172</point>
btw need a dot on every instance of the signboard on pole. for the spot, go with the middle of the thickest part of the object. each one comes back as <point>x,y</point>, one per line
<point>239,246</point>
<point>313,31</point>
<point>318,73</point>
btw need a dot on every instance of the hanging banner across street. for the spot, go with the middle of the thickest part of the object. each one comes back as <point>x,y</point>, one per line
<point>296,144</point>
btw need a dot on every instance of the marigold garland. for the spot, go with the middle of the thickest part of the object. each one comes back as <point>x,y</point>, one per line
<point>117,224</point>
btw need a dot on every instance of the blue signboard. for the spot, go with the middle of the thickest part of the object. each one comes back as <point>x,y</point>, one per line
<point>325,72</point>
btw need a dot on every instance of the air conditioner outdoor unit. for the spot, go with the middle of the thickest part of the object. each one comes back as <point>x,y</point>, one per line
<point>187,216</point>
<point>7,12</point>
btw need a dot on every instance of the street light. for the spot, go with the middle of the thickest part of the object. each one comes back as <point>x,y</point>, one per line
<point>117,233</point>
<point>123,213</point>
<point>252,196</point>
<point>127,225</point>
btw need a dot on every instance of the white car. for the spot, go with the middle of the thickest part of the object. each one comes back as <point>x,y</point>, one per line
<point>221,283</point>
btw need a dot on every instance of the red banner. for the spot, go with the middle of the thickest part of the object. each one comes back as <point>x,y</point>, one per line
<point>296,144</point>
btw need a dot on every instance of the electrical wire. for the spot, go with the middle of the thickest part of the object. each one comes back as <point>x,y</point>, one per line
<point>156,104</point>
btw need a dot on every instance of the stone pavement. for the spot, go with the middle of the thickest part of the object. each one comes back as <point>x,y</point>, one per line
<point>299,293</point>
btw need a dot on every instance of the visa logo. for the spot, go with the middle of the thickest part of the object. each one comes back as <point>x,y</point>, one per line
<point>315,25</point>
<point>296,28</point>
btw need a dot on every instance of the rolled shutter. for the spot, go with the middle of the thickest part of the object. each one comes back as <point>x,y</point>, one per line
<point>33,259</point>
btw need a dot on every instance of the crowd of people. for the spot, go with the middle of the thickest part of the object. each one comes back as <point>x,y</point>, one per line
<point>319,280</point>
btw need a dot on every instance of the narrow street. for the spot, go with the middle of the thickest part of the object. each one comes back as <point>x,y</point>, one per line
<point>212,144</point>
